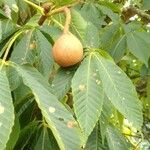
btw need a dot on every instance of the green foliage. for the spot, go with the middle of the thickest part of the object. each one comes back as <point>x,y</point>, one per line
<point>88,95</point>
<point>53,111</point>
<point>101,103</point>
<point>123,96</point>
<point>115,140</point>
<point>136,43</point>
<point>6,109</point>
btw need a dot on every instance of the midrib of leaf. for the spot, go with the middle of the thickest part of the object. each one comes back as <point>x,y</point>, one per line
<point>109,77</point>
<point>88,82</point>
<point>27,44</point>
<point>118,44</point>
<point>134,40</point>
<point>112,38</point>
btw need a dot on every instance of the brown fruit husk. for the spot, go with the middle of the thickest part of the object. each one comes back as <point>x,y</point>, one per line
<point>67,50</point>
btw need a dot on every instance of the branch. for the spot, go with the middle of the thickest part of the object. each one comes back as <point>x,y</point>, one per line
<point>47,14</point>
<point>132,10</point>
<point>140,13</point>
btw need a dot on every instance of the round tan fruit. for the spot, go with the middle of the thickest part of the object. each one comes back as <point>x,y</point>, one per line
<point>67,50</point>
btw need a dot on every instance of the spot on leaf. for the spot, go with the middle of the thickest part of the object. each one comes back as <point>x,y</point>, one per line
<point>61,119</point>
<point>52,85</point>
<point>119,72</point>
<point>82,87</point>
<point>52,109</point>
<point>1,109</point>
<point>70,124</point>
<point>98,82</point>
<point>32,45</point>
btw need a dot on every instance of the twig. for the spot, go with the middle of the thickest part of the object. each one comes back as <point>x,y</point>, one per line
<point>46,7</point>
<point>38,8</point>
<point>61,9</point>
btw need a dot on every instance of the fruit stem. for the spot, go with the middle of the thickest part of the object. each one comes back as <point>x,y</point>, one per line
<point>68,20</point>
<point>67,12</point>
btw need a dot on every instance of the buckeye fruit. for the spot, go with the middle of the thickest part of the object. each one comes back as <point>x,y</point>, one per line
<point>67,50</point>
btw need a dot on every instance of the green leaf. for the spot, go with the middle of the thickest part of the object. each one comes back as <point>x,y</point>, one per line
<point>11,3</point>
<point>119,48</point>
<point>56,115</point>
<point>91,38</point>
<point>115,139</point>
<point>13,77</point>
<point>105,10</point>
<point>50,32</point>
<point>8,28</point>
<point>44,49</point>
<point>87,95</point>
<point>22,53</point>
<point>95,141</point>
<point>84,30</point>
<point>120,90</point>
<point>26,135</point>
<point>139,47</point>
<point>105,117</point>
<point>146,4</point>
<point>0,31</point>
<point>2,15</point>
<point>20,93</point>
<point>107,35</point>
<point>62,82</point>
<point>63,2</point>
<point>6,110</point>
<point>145,71</point>
<point>132,27</point>
<point>144,35</point>
<point>46,141</point>
<point>91,14</point>
<point>112,6</point>
<point>78,24</point>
